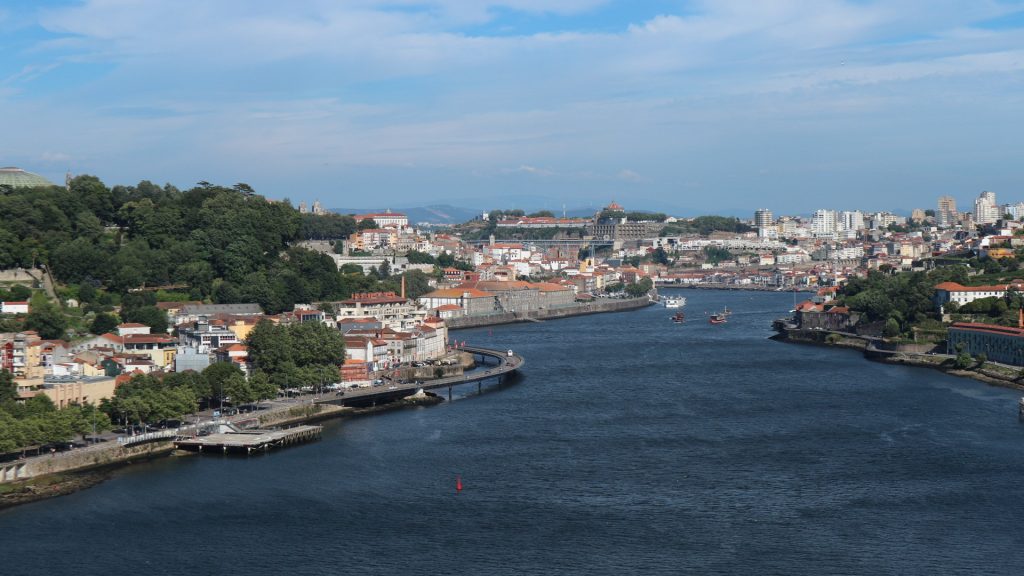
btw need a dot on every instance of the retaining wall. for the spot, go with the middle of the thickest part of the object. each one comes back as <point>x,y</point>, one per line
<point>548,314</point>
<point>81,459</point>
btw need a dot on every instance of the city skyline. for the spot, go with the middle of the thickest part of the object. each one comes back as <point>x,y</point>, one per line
<point>686,107</point>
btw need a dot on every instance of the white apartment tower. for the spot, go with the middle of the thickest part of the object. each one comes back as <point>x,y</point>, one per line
<point>851,220</point>
<point>823,222</point>
<point>986,211</point>
<point>765,223</point>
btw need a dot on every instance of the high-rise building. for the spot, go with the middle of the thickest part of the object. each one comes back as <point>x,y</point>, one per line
<point>917,215</point>
<point>851,220</point>
<point>763,218</point>
<point>823,222</point>
<point>1015,210</point>
<point>765,223</point>
<point>986,211</point>
<point>946,215</point>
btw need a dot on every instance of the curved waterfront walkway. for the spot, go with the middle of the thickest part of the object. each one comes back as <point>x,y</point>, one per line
<point>496,364</point>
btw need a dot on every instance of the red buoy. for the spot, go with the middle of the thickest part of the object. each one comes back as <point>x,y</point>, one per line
<point>458,484</point>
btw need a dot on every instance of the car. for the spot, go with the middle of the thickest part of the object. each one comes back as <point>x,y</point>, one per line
<point>392,387</point>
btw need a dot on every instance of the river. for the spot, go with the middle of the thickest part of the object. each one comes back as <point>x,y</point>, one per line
<point>629,445</point>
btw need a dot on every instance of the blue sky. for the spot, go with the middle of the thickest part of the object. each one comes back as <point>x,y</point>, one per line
<point>691,107</point>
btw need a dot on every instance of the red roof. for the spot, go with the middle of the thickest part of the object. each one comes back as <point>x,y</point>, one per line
<point>989,328</point>
<point>132,325</point>
<point>955,287</point>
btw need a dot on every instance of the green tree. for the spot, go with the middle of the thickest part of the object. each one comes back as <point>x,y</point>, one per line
<point>262,387</point>
<point>8,389</point>
<point>367,224</point>
<point>217,376</point>
<point>151,316</point>
<point>103,323</point>
<point>270,347</point>
<point>48,321</point>
<point>892,328</point>
<point>238,390</point>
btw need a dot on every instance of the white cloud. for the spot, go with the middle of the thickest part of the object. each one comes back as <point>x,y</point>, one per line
<point>270,86</point>
<point>630,176</point>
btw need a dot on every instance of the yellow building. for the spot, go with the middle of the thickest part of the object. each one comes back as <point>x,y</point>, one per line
<point>78,390</point>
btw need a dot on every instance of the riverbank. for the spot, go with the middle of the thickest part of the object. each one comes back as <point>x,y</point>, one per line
<point>99,466</point>
<point>737,287</point>
<point>989,373</point>
<point>596,307</point>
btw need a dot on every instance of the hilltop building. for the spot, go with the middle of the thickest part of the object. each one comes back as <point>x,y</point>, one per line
<point>12,177</point>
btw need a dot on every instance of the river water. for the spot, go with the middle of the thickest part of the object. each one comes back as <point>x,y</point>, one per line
<point>629,445</point>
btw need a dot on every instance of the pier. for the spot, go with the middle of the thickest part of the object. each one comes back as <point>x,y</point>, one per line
<point>248,441</point>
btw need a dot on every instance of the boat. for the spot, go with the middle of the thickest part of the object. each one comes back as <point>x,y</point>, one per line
<point>719,317</point>
<point>678,317</point>
<point>675,302</point>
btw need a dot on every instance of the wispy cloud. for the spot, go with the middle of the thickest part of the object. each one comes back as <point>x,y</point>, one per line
<point>345,92</point>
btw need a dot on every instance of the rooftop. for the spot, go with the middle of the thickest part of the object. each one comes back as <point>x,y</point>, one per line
<point>18,178</point>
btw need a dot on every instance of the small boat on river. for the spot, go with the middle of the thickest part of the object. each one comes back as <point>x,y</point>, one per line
<point>720,317</point>
<point>675,302</point>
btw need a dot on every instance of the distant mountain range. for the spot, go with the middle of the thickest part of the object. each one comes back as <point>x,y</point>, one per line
<point>436,214</point>
<point>448,214</point>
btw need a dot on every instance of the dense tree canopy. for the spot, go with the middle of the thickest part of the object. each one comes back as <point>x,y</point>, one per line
<point>299,354</point>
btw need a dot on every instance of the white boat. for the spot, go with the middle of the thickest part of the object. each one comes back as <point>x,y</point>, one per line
<point>675,302</point>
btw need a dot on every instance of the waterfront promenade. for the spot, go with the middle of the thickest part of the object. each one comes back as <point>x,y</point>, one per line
<point>494,364</point>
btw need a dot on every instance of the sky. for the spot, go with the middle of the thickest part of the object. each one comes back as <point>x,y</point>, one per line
<point>690,107</point>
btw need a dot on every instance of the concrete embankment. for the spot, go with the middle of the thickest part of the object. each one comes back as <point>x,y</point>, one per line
<point>550,313</point>
<point>906,354</point>
<point>739,287</point>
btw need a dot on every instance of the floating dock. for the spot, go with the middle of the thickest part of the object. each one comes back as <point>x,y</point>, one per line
<point>249,441</point>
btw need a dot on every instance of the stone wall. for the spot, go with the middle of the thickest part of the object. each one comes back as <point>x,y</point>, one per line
<point>81,459</point>
<point>548,314</point>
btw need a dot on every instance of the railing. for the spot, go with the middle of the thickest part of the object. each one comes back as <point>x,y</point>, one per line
<point>147,437</point>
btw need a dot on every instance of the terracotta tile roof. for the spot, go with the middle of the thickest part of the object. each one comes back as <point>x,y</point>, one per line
<point>955,287</point>
<point>989,328</point>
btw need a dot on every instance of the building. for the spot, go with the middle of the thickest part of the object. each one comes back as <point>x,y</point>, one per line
<point>68,390</point>
<point>11,177</point>
<point>917,215</point>
<point>14,307</point>
<point>823,222</point>
<point>851,220</point>
<point>946,216</point>
<point>386,219</point>
<point>206,335</point>
<point>953,292</point>
<point>471,302</point>
<point>986,211</point>
<point>765,223</point>
<point>193,312</point>
<point>999,343</point>
<point>393,311</point>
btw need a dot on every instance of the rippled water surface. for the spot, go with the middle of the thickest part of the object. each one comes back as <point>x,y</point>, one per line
<point>629,445</point>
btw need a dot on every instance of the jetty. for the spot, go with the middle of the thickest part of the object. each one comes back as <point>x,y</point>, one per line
<point>248,441</point>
